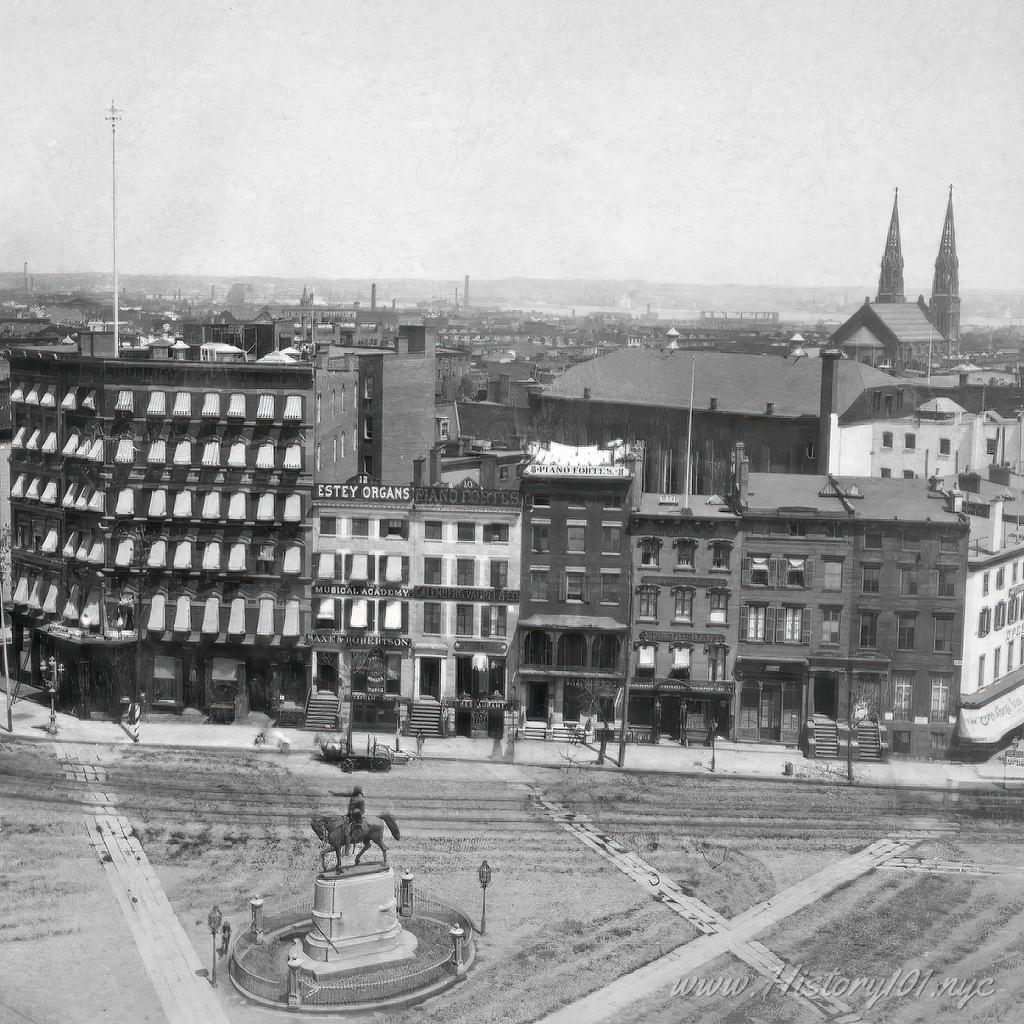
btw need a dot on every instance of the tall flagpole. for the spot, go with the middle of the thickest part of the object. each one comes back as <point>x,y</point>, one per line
<point>689,434</point>
<point>113,116</point>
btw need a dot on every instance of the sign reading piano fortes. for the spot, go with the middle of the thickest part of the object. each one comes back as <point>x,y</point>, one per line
<point>553,459</point>
<point>363,488</point>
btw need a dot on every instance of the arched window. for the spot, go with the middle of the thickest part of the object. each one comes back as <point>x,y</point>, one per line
<point>682,604</point>
<point>536,648</point>
<point>604,654</point>
<point>1000,615</point>
<point>571,651</point>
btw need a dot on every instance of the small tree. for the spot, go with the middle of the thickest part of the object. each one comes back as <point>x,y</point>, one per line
<point>861,704</point>
<point>597,700</point>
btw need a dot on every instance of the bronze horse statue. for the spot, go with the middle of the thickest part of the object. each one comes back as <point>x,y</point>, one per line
<point>339,833</point>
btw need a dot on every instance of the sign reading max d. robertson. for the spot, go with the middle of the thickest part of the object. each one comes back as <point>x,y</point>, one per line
<point>359,590</point>
<point>351,640</point>
<point>494,596</point>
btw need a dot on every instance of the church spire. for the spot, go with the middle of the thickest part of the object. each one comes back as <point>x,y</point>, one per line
<point>890,281</point>
<point>945,303</point>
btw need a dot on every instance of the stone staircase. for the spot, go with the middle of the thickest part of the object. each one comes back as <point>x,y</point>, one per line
<point>425,717</point>
<point>826,738</point>
<point>322,711</point>
<point>869,742</point>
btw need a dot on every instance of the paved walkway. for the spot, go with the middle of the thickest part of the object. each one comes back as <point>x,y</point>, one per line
<point>167,954</point>
<point>733,760</point>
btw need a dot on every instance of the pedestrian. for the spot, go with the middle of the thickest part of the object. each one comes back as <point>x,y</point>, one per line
<point>225,939</point>
<point>683,716</point>
<point>419,743</point>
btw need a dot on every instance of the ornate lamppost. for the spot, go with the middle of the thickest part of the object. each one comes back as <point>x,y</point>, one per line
<point>52,679</point>
<point>484,874</point>
<point>213,921</point>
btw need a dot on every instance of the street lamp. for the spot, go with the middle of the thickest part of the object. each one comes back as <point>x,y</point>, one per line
<point>213,920</point>
<point>484,874</point>
<point>52,679</point>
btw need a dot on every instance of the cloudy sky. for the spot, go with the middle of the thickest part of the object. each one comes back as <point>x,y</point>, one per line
<point>753,142</point>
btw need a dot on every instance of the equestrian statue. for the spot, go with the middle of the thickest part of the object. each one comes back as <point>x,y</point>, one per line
<point>344,831</point>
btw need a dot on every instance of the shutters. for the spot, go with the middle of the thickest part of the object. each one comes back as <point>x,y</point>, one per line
<point>808,573</point>
<point>744,614</point>
<point>805,625</point>
<point>745,571</point>
<point>769,624</point>
<point>775,567</point>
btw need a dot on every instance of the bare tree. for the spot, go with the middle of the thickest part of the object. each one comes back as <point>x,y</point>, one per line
<point>861,704</point>
<point>597,700</point>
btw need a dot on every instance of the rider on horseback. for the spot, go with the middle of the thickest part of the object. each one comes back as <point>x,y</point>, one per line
<point>356,812</point>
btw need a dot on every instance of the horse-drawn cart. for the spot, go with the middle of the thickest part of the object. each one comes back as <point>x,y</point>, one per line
<point>378,757</point>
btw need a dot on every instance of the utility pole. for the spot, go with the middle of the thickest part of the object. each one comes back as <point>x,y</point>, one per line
<point>113,115</point>
<point>689,435</point>
<point>7,667</point>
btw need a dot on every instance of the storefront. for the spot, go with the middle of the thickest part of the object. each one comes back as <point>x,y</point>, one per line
<point>690,711</point>
<point>994,715</point>
<point>772,699</point>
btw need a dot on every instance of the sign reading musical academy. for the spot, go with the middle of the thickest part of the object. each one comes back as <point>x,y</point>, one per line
<point>359,590</point>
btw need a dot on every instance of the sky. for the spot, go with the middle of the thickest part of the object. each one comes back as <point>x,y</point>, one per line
<point>704,142</point>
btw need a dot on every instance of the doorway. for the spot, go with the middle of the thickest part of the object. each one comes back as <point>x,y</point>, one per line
<point>826,697</point>
<point>430,678</point>
<point>769,719</point>
<point>537,704</point>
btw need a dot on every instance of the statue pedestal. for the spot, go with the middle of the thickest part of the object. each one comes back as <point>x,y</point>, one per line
<point>355,921</point>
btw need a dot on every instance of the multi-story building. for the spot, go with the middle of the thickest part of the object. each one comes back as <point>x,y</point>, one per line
<point>685,617</point>
<point>159,516</point>
<point>575,602</point>
<point>850,604</point>
<point>415,604</point>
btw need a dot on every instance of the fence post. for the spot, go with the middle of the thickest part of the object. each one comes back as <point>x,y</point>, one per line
<point>294,992</point>
<point>406,900</point>
<point>256,906</point>
<point>457,935</point>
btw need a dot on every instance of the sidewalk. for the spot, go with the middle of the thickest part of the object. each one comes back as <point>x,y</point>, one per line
<point>731,759</point>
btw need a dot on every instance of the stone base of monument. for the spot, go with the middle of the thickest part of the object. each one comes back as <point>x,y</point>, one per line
<point>355,922</point>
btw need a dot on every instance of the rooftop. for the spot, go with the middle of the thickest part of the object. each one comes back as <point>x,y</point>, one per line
<point>702,506</point>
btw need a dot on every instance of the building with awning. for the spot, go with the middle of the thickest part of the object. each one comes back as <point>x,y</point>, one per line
<point>995,713</point>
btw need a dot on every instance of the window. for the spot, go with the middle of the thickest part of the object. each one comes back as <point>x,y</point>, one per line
<point>685,552</point>
<point>539,579</point>
<point>716,663</point>
<point>876,401</point>
<point>718,606</point>
<point>984,584</point>
<point>991,445</point>
<point>943,445</point>
<point>909,474</point>
<point>611,539</point>
<point>797,528</point>
<point>539,537</point>
<point>328,526</point>
<point>911,540</point>
<point>647,603</point>
<point>265,558</point>
<point>465,572</point>
<point>1000,578</point>
<point>499,574</point>
<point>1009,655</point>
<point>885,473</point>
<point>1012,610</point>
<point>941,685</point>
<point>575,586</point>
<point>610,587</point>
<point>541,501</point>
<point>949,544</point>
<point>902,695</point>
<point>494,620</point>
<point>946,583</point>
<point>494,533</point>
<point>463,620</point>
<point>906,631</point>
<point>360,527</point>
<point>720,553</point>
<point>870,578</point>
<point>368,465</point>
<point>833,575</point>
<point>318,455</point>
<point>869,629</point>
<point>649,552</point>
<point>944,634</point>
<point>873,541</point>
<point>981,671</point>
<point>792,624</point>
<point>830,619</point>
<point>575,538</point>
<point>682,604</point>
<point>392,528</point>
<point>756,615</point>
<point>466,533</point>
<point>432,571</point>
<point>645,659</point>
<point>1000,615</point>
<point>984,622</point>
<point>909,442</point>
<point>759,572</point>
<point>887,439</point>
<point>908,581</point>
<point>796,569</point>
<point>997,657</point>
<point>432,530</point>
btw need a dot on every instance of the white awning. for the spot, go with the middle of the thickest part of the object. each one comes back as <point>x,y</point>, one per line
<point>183,615</point>
<point>236,455</point>
<point>393,615</point>
<point>70,400</point>
<point>49,399</point>
<point>293,508</point>
<point>759,563</point>
<point>71,545</point>
<point>157,558</point>
<point>236,407</point>
<point>211,555</point>
<point>293,457</point>
<point>91,612</point>
<point>796,563</point>
<point>89,402</point>
<point>211,454</point>
<point>265,508</point>
<point>990,713</point>
<point>96,501</point>
<point>182,404</point>
<point>18,490</point>
<point>236,558</point>
<point>265,408</point>
<point>265,622</point>
<point>50,444</point>
<point>97,551</point>
<point>325,610</point>
<point>125,454</point>
<point>49,545</point>
<point>96,451</point>
<point>292,564</point>
<point>183,505</point>
<point>211,505</point>
<point>84,448</point>
<point>125,554</point>
<point>70,612</point>
<point>211,404</point>
<point>125,402</point>
<point>18,394</point>
<point>32,398</point>
<point>291,618</point>
<point>158,503</point>
<point>236,620</point>
<point>211,616</point>
<point>157,404</point>
<point>183,555</point>
<point>84,496</point>
<point>125,502</point>
<point>157,613</point>
<point>293,408</point>
<point>18,441</point>
<point>360,571</point>
<point>265,457</point>
<point>32,444</point>
<point>49,495</point>
<point>21,591</point>
<point>68,500</point>
<point>32,494</point>
<point>35,597</point>
<point>50,601</point>
<point>158,451</point>
<point>325,568</point>
<point>236,506</point>
<point>183,453</point>
<point>359,615</point>
<point>82,554</point>
<point>70,445</point>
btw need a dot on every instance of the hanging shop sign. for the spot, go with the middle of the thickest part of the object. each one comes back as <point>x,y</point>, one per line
<point>481,646</point>
<point>347,640</point>
<point>488,594</point>
<point>655,636</point>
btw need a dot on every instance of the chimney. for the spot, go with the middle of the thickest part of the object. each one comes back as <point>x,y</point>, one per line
<point>714,404</point>
<point>586,392</point>
<point>435,464</point>
<point>373,295</point>
<point>963,379</point>
<point>740,474</point>
<point>417,471</point>
<point>996,515</point>
<point>770,409</point>
<point>828,412</point>
<point>465,293</point>
<point>956,500</point>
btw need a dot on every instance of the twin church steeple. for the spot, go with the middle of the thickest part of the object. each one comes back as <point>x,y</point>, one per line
<point>890,281</point>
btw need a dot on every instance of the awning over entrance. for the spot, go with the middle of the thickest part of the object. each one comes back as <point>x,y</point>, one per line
<point>991,712</point>
<point>691,688</point>
<point>605,622</point>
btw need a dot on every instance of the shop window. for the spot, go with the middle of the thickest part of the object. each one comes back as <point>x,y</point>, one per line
<point>480,677</point>
<point>167,680</point>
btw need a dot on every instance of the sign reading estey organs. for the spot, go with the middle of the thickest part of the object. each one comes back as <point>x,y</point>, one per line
<point>362,491</point>
<point>364,488</point>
